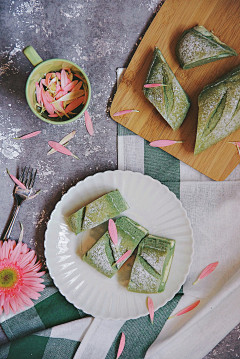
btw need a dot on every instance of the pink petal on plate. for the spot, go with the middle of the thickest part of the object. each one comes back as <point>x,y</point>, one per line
<point>47,105</point>
<point>150,308</point>
<point>121,345</point>
<point>124,256</point>
<point>74,104</point>
<point>185,310</point>
<point>71,85</point>
<point>206,271</point>
<point>77,87</point>
<point>29,135</point>
<point>112,230</point>
<point>64,79</point>
<point>153,85</point>
<point>88,123</point>
<point>164,143</point>
<point>18,183</point>
<point>61,149</point>
<point>124,112</point>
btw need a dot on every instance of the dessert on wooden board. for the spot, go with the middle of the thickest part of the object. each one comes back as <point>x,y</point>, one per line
<point>168,98</point>
<point>107,206</point>
<point>198,46</point>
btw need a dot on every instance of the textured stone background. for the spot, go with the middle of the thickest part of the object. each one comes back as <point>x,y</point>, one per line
<point>99,36</point>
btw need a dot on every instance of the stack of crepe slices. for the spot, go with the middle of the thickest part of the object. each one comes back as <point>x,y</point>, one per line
<point>154,256</point>
<point>219,105</point>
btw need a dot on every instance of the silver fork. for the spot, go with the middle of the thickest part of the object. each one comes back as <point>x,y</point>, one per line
<point>27,178</point>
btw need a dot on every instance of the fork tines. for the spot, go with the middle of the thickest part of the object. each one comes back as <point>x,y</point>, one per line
<point>28,176</point>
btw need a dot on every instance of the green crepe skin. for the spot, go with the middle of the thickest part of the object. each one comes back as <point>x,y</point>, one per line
<point>198,46</point>
<point>104,254</point>
<point>171,101</point>
<point>219,110</point>
<point>102,209</point>
<point>152,265</point>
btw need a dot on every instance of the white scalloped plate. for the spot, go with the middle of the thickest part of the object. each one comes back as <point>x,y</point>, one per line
<point>153,206</point>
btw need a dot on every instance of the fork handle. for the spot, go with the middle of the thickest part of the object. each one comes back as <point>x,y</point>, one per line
<point>10,227</point>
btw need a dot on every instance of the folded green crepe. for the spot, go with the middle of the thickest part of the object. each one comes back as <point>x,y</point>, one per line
<point>104,254</point>
<point>152,265</point>
<point>198,46</point>
<point>219,110</point>
<point>170,100</point>
<point>102,209</point>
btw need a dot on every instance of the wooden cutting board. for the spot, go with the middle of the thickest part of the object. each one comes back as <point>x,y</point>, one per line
<point>223,18</point>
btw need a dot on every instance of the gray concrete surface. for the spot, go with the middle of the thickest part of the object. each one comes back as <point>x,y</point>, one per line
<point>99,36</point>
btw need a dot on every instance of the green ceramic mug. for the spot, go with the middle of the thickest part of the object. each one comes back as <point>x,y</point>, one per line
<point>41,68</point>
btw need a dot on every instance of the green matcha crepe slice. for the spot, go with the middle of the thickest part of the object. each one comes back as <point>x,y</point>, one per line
<point>170,100</point>
<point>152,265</point>
<point>198,46</point>
<point>102,209</point>
<point>104,254</point>
<point>219,110</point>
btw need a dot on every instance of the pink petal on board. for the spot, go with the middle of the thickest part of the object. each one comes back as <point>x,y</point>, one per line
<point>38,92</point>
<point>124,256</point>
<point>74,104</point>
<point>185,310</point>
<point>88,123</point>
<point>235,143</point>
<point>121,345</point>
<point>150,308</point>
<point>124,112</point>
<point>47,105</point>
<point>163,143</point>
<point>20,184</point>
<point>64,79</point>
<point>61,149</point>
<point>206,271</point>
<point>29,135</point>
<point>71,85</point>
<point>77,87</point>
<point>112,230</point>
<point>153,85</point>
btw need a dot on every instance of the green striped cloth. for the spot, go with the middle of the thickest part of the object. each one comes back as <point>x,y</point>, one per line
<point>46,329</point>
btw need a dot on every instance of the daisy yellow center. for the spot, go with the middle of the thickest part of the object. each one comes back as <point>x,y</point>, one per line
<point>8,277</point>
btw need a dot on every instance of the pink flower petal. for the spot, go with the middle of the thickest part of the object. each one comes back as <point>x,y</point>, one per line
<point>124,112</point>
<point>29,135</point>
<point>49,74</point>
<point>20,184</point>
<point>71,85</point>
<point>121,345</point>
<point>61,148</point>
<point>77,87</point>
<point>112,229</point>
<point>185,310</point>
<point>58,75</point>
<point>64,79</point>
<point>124,256</point>
<point>74,104</point>
<point>38,92</point>
<point>206,271</point>
<point>150,308</point>
<point>47,105</point>
<point>153,85</point>
<point>88,123</point>
<point>163,143</point>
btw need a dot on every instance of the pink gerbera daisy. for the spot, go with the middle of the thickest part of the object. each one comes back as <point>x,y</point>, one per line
<point>19,276</point>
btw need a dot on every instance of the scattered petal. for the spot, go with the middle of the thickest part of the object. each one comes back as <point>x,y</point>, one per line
<point>20,184</point>
<point>88,123</point>
<point>153,85</point>
<point>209,269</point>
<point>61,149</point>
<point>63,141</point>
<point>185,310</point>
<point>150,308</point>
<point>124,256</point>
<point>164,143</point>
<point>124,112</point>
<point>29,135</point>
<point>121,345</point>
<point>112,230</point>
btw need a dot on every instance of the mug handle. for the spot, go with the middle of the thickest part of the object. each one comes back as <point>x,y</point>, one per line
<point>32,55</point>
